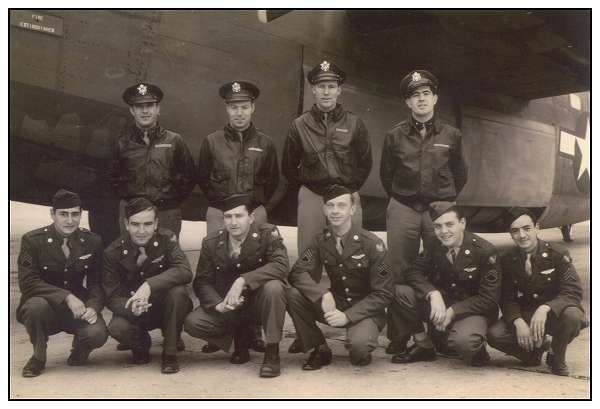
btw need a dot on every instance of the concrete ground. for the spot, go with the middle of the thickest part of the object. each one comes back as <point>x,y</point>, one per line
<point>110,375</point>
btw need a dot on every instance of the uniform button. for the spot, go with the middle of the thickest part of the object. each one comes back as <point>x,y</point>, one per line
<point>453,285</point>
<point>549,279</point>
<point>346,289</point>
<point>341,265</point>
<point>360,265</point>
<point>348,299</point>
<point>355,237</point>
<point>142,273</point>
<point>66,270</point>
<point>535,296</point>
<point>45,267</point>
<point>467,252</point>
<point>85,266</point>
<point>49,239</point>
<point>260,260</point>
<point>544,254</point>
<point>155,244</point>
<point>218,268</point>
<point>343,277</point>
<point>65,282</point>
<point>515,281</point>
<point>325,262</point>
<point>238,265</point>
<point>470,276</point>
<point>255,235</point>
<point>160,266</point>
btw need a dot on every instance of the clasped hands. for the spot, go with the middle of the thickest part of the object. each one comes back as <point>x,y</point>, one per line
<point>234,298</point>
<point>80,311</point>
<point>440,316</point>
<point>139,300</point>
<point>332,315</point>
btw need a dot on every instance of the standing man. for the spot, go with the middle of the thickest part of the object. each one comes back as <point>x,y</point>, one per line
<point>145,272</point>
<point>151,161</point>
<point>325,146</point>
<point>237,159</point>
<point>60,269</point>
<point>455,286</point>
<point>541,295</point>
<point>240,274</point>
<point>360,290</point>
<point>421,162</point>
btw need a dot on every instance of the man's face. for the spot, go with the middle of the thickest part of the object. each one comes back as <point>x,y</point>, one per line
<point>238,221</point>
<point>422,102</point>
<point>141,226</point>
<point>145,114</point>
<point>449,229</point>
<point>339,210</point>
<point>240,114</point>
<point>326,94</point>
<point>524,232</point>
<point>66,221</point>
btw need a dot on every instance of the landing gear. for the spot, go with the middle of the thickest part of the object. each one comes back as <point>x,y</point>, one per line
<point>566,232</point>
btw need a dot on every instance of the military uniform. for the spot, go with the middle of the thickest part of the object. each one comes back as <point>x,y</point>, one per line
<point>166,270</point>
<point>471,286</point>
<point>47,276</point>
<point>553,282</point>
<point>154,163</point>
<point>263,263</point>
<point>323,149</point>
<point>415,171</point>
<point>361,284</point>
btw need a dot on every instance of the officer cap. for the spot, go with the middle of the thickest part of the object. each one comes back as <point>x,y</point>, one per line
<point>237,91</point>
<point>142,92</point>
<point>240,199</point>
<point>514,213</point>
<point>63,199</point>
<point>416,79</point>
<point>334,191</point>
<point>137,205</point>
<point>436,209</point>
<point>326,71</point>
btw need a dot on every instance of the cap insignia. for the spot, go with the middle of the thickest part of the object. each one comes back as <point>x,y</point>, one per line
<point>235,87</point>
<point>416,76</point>
<point>325,66</point>
<point>142,89</point>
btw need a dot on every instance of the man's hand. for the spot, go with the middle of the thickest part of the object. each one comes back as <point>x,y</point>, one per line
<point>328,303</point>
<point>524,338</point>
<point>447,321</point>
<point>138,307</point>
<point>538,324</point>
<point>336,318</point>
<point>232,298</point>
<point>75,305</point>
<point>90,315</point>
<point>141,295</point>
<point>223,307</point>
<point>438,308</point>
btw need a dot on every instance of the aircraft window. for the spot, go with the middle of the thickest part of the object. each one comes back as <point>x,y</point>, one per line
<point>567,143</point>
<point>575,101</point>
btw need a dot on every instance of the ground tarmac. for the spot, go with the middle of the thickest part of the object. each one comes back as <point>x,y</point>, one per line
<point>110,374</point>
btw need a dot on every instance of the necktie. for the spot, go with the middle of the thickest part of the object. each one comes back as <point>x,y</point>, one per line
<point>528,268</point>
<point>339,246</point>
<point>145,138</point>
<point>65,247</point>
<point>142,257</point>
<point>235,250</point>
<point>452,255</point>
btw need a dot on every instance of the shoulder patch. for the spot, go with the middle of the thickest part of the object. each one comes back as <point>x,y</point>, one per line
<point>567,258</point>
<point>307,256</point>
<point>275,233</point>
<point>26,260</point>
<point>492,259</point>
<point>380,247</point>
<point>174,238</point>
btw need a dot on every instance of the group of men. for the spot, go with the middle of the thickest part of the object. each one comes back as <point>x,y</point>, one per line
<point>446,298</point>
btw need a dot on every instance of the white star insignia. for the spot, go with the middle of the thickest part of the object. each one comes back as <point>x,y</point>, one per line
<point>584,149</point>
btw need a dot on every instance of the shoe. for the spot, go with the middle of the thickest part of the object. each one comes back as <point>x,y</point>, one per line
<point>395,348</point>
<point>78,357</point>
<point>550,359</point>
<point>295,347</point>
<point>535,359</point>
<point>209,348</point>
<point>169,364</point>
<point>123,347</point>
<point>271,366</point>
<point>481,358</point>
<point>33,368</point>
<point>364,361</point>
<point>240,356</point>
<point>318,358</point>
<point>140,357</point>
<point>414,354</point>
<point>257,345</point>
<point>180,345</point>
<point>559,368</point>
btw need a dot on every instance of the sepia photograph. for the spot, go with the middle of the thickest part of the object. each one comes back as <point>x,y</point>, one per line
<point>299,204</point>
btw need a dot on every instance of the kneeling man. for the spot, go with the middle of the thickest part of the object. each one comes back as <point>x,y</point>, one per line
<point>145,272</point>
<point>60,269</point>
<point>241,273</point>
<point>541,295</point>
<point>455,286</point>
<point>360,286</point>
